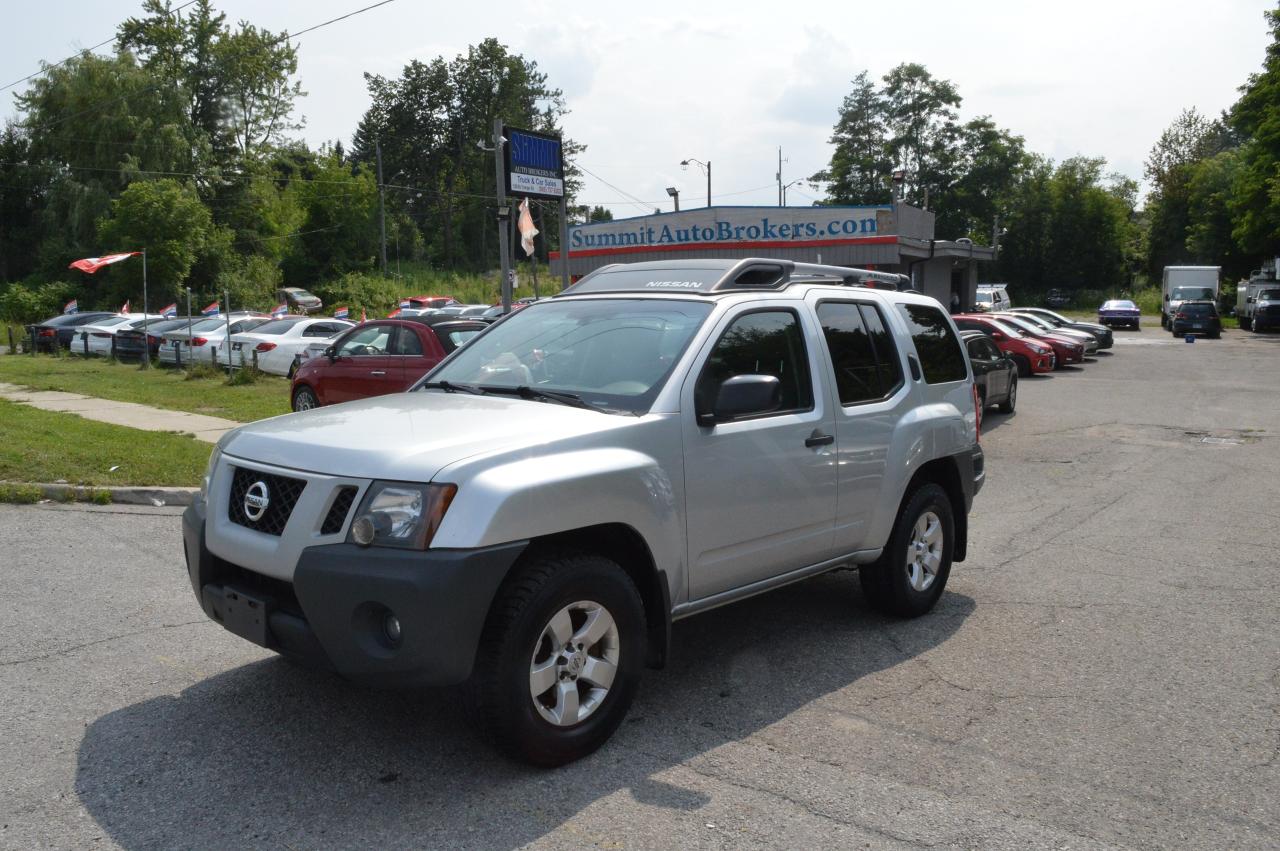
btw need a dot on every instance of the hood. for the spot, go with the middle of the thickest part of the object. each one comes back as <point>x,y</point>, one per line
<point>410,436</point>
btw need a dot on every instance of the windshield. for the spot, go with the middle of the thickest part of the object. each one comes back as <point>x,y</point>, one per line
<point>614,353</point>
<point>983,298</point>
<point>1187,293</point>
<point>299,294</point>
<point>113,321</point>
<point>1119,305</point>
<point>1007,327</point>
<point>1025,325</point>
<point>1269,295</point>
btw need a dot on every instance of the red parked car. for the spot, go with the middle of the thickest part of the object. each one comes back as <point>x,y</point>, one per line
<point>1030,354</point>
<point>374,358</point>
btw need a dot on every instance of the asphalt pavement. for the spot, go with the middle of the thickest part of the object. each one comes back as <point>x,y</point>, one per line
<point>1104,671</point>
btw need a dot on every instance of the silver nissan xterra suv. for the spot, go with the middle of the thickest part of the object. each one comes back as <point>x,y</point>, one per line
<point>661,439</point>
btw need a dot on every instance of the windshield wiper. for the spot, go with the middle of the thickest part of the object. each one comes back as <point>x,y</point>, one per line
<point>450,387</point>
<point>524,391</point>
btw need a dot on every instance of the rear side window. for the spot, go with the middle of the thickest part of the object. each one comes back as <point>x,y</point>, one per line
<point>1198,309</point>
<point>862,352</point>
<point>941,357</point>
<point>768,342</point>
<point>456,338</point>
<point>407,343</point>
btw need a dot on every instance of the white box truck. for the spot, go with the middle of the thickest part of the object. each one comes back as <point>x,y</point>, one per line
<point>1186,283</point>
<point>1258,301</point>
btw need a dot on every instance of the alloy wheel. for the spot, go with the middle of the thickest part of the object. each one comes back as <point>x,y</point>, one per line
<point>924,551</point>
<point>574,663</point>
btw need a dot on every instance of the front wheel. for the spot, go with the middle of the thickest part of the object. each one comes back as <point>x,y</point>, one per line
<point>909,576</point>
<point>1024,365</point>
<point>304,399</point>
<point>560,658</point>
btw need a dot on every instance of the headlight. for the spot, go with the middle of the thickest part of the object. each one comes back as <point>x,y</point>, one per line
<point>208,473</point>
<point>401,514</point>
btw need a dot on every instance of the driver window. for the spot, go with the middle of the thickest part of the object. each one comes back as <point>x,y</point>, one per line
<point>768,342</point>
<point>367,341</point>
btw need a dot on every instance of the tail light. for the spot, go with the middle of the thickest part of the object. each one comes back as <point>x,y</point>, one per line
<point>198,341</point>
<point>977,411</point>
<point>48,332</point>
<point>264,347</point>
<point>1179,315</point>
<point>155,341</point>
<point>102,335</point>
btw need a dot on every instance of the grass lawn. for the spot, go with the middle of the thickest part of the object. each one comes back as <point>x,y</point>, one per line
<point>160,388</point>
<point>45,446</point>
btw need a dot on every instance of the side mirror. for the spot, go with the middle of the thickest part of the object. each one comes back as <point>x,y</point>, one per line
<point>997,335</point>
<point>331,352</point>
<point>742,396</point>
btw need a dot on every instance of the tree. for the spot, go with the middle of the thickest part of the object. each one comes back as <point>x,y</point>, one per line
<point>989,164</point>
<point>167,219</point>
<point>599,214</point>
<point>1209,239</point>
<point>860,164</point>
<point>920,115</point>
<point>1255,202</point>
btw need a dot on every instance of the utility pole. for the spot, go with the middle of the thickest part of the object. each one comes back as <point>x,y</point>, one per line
<point>708,183</point>
<point>382,210</point>
<point>779,176</point>
<point>504,214</point>
<point>146,341</point>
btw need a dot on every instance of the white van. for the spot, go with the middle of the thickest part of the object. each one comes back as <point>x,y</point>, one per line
<point>991,298</point>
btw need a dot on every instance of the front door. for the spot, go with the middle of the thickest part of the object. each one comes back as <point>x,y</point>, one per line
<point>761,491</point>
<point>363,365</point>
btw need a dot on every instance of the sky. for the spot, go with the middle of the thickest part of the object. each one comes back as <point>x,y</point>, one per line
<point>650,84</point>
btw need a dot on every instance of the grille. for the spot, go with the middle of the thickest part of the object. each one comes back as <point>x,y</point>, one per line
<point>282,493</point>
<point>338,511</point>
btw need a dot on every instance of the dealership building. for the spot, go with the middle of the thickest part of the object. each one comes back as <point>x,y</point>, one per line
<point>889,238</point>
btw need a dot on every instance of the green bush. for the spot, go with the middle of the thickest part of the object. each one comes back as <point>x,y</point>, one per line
<point>21,494</point>
<point>245,375</point>
<point>25,303</point>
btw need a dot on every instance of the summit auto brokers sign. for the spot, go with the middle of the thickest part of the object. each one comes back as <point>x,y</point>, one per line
<point>534,164</point>
<point>729,226</point>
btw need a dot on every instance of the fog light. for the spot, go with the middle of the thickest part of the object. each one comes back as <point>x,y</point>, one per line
<point>391,628</point>
<point>363,530</point>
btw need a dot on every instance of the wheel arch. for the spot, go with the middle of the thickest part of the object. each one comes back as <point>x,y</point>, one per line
<point>621,543</point>
<point>945,473</point>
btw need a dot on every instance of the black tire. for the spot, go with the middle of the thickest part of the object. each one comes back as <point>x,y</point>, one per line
<point>1010,399</point>
<point>1245,323</point>
<point>304,399</point>
<point>886,583</point>
<point>1024,365</point>
<point>514,636</point>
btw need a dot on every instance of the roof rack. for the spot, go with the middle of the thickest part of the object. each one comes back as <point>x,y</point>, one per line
<point>707,277</point>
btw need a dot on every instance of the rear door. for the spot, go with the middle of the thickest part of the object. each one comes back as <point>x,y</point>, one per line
<point>760,491</point>
<point>872,395</point>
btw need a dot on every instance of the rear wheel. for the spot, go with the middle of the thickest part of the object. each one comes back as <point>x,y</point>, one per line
<point>1007,406</point>
<point>560,658</point>
<point>1244,323</point>
<point>1024,365</point>
<point>910,574</point>
<point>304,399</point>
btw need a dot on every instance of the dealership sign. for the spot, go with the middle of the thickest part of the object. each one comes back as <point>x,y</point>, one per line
<point>729,226</point>
<point>534,164</point>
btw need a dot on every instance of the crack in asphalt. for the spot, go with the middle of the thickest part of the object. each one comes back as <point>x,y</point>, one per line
<point>72,649</point>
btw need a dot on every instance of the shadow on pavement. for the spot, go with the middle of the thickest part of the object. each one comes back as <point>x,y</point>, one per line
<point>270,754</point>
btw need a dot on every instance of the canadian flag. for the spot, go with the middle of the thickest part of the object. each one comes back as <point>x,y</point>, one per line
<point>526,228</point>
<point>93,264</point>
<point>124,309</point>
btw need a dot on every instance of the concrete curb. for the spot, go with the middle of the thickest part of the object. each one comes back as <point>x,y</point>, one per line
<point>156,496</point>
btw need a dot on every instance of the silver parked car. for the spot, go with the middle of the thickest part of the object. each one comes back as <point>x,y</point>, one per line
<point>661,439</point>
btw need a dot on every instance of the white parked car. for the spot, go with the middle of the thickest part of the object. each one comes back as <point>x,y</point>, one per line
<point>277,341</point>
<point>206,337</point>
<point>100,333</point>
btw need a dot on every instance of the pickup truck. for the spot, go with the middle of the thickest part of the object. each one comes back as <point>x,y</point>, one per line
<point>661,439</point>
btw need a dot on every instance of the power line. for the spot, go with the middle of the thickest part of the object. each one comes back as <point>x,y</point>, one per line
<point>634,200</point>
<point>159,83</point>
<point>46,69</point>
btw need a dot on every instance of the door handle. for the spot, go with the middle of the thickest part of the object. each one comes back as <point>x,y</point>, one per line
<point>819,439</point>
<point>378,372</point>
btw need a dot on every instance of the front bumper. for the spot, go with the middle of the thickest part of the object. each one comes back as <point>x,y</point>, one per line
<point>331,615</point>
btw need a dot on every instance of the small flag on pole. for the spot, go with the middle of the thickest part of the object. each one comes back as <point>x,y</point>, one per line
<point>93,264</point>
<point>71,307</point>
<point>405,303</point>
<point>363,317</point>
<point>169,311</point>
<point>211,310</point>
<point>279,310</point>
<point>526,228</point>
<point>125,308</point>
<point>341,313</point>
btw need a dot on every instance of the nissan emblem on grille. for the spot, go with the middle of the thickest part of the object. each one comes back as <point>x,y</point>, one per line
<point>256,500</point>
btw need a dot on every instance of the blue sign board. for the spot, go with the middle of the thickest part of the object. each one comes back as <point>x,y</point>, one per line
<point>534,164</point>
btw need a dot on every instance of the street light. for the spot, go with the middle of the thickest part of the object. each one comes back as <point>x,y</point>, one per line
<point>706,167</point>
<point>674,193</point>
<point>788,186</point>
